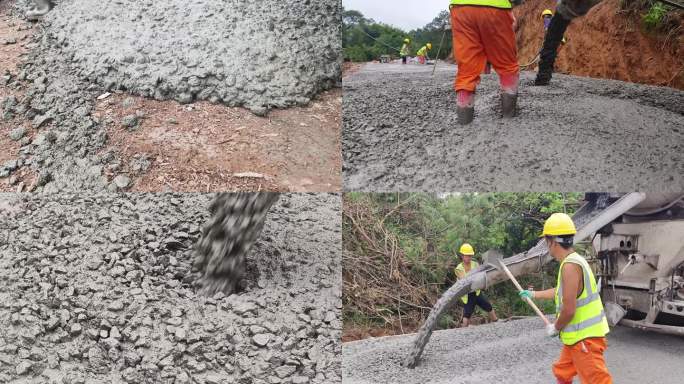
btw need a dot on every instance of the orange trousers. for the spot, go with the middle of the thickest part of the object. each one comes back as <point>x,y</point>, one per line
<point>482,34</point>
<point>584,359</point>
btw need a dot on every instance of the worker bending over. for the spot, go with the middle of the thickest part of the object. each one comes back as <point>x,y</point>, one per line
<point>565,12</point>
<point>482,31</point>
<point>404,52</point>
<point>580,318</point>
<point>473,298</point>
<point>423,53</point>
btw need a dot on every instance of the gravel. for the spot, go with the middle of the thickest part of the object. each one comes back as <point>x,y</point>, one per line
<point>63,308</point>
<point>507,352</point>
<point>400,133</point>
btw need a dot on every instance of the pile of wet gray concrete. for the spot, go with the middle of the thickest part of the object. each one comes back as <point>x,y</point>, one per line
<point>100,288</point>
<point>260,55</point>
<point>401,133</point>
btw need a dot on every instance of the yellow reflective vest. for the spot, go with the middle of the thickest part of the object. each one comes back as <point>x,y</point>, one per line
<point>504,4</point>
<point>404,50</point>
<point>589,319</point>
<point>460,267</point>
<point>422,51</point>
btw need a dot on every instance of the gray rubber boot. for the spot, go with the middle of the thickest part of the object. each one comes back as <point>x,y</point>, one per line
<point>509,105</point>
<point>465,115</point>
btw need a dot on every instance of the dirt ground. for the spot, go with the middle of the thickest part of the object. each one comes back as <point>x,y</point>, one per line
<point>196,147</point>
<point>205,147</point>
<point>15,36</point>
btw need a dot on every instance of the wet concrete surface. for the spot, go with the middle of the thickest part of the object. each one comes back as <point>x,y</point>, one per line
<point>100,289</point>
<point>400,133</point>
<point>508,352</point>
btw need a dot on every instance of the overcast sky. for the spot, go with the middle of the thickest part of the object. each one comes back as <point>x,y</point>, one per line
<point>405,14</point>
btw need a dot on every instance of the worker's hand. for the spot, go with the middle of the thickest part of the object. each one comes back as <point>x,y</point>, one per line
<point>526,294</point>
<point>551,330</point>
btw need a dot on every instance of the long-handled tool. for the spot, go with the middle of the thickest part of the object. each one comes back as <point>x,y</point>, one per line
<point>495,259</point>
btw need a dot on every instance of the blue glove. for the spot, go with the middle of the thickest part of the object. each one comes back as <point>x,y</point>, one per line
<point>526,294</point>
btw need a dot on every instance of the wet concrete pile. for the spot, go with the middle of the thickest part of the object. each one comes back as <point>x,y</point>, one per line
<point>258,54</point>
<point>508,353</point>
<point>401,133</point>
<point>101,288</point>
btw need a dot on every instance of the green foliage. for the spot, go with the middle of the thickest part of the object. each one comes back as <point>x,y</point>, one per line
<point>653,19</point>
<point>365,39</point>
<point>430,228</point>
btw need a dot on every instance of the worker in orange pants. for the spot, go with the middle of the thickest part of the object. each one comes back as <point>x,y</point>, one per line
<point>482,32</point>
<point>584,359</point>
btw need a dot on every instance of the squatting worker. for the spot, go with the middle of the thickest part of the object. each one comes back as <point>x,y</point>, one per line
<point>482,31</point>
<point>423,53</point>
<point>466,265</point>
<point>580,318</point>
<point>404,52</point>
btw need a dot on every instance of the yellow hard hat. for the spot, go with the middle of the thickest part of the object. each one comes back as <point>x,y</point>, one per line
<point>429,45</point>
<point>559,224</point>
<point>467,249</point>
<point>547,12</point>
<point>407,41</point>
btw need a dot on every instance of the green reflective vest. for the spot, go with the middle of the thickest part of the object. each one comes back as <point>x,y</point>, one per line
<point>404,50</point>
<point>460,267</point>
<point>504,4</point>
<point>589,319</point>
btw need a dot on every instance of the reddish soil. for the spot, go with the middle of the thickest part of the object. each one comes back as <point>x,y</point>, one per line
<point>210,147</point>
<point>606,43</point>
<point>348,68</point>
<point>15,34</point>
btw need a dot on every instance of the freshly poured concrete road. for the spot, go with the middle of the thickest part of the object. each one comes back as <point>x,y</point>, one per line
<point>400,133</point>
<point>513,352</point>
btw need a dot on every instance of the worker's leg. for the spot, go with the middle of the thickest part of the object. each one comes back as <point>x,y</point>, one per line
<point>589,362</point>
<point>468,309</point>
<point>564,369</point>
<point>486,306</point>
<point>470,57</point>
<point>496,29</point>
<point>549,51</point>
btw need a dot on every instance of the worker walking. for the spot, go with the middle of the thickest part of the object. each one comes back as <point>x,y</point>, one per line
<point>404,52</point>
<point>580,318</point>
<point>565,12</point>
<point>466,265</point>
<point>423,53</point>
<point>482,31</point>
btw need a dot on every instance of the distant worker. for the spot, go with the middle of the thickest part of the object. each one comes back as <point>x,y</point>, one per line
<point>423,53</point>
<point>482,31</point>
<point>565,12</point>
<point>473,298</point>
<point>547,14</point>
<point>404,52</point>
<point>580,318</point>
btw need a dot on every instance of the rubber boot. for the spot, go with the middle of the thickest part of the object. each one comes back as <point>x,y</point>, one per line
<point>465,106</point>
<point>40,9</point>
<point>549,51</point>
<point>509,94</point>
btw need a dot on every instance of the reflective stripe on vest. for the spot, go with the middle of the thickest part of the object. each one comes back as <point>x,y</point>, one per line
<point>473,265</point>
<point>589,319</point>
<point>504,4</point>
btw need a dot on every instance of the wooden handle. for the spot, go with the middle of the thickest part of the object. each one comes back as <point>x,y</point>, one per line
<point>527,299</point>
